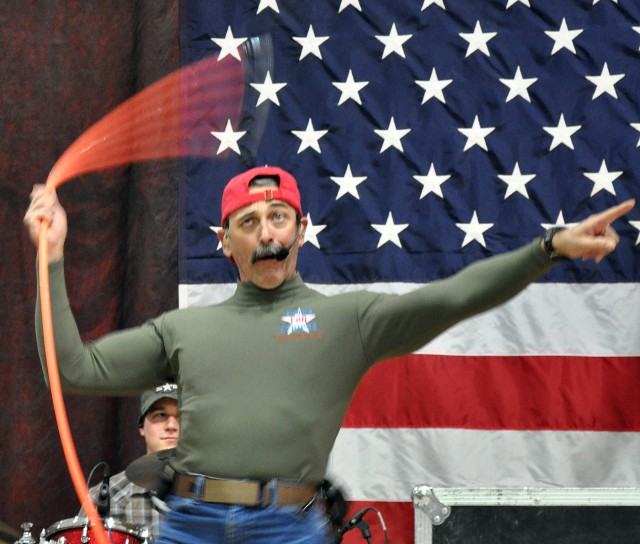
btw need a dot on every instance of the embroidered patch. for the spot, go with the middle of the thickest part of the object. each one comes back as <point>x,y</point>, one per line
<point>298,321</point>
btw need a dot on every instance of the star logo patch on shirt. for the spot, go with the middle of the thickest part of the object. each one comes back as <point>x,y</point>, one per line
<point>298,324</point>
<point>298,321</point>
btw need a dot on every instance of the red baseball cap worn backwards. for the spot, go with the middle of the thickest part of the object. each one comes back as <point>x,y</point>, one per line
<point>236,194</point>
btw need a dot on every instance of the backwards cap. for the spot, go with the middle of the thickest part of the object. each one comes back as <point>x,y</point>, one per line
<point>236,194</point>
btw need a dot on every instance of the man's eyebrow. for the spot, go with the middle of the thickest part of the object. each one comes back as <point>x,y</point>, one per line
<point>278,204</point>
<point>272,204</point>
<point>246,215</point>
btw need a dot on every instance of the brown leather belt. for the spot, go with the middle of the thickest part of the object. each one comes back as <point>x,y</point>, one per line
<point>241,492</point>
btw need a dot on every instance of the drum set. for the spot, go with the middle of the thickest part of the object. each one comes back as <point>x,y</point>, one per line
<point>147,472</point>
<point>77,531</point>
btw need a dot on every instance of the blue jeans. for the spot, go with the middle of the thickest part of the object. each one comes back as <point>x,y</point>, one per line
<point>192,521</point>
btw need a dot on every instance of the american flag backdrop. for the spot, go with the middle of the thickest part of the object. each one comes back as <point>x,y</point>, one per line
<point>425,135</point>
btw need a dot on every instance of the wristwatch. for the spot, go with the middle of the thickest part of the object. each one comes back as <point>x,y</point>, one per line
<point>547,243</point>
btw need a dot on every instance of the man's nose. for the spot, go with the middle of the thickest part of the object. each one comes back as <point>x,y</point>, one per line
<point>172,422</point>
<point>266,232</point>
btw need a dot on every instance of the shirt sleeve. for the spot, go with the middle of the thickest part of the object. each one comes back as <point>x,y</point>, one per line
<point>393,325</point>
<point>122,362</point>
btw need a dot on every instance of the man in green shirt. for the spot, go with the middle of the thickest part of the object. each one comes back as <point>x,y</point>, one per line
<point>266,377</point>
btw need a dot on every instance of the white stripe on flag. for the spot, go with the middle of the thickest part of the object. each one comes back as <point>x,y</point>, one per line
<point>592,319</point>
<point>385,464</point>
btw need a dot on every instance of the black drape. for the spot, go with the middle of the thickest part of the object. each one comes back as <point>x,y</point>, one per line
<point>64,65</point>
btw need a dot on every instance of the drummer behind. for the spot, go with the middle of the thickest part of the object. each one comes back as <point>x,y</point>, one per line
<point>159,426</point>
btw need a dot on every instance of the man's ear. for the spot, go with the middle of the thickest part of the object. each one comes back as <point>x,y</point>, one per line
<point>223,237</point>
<point>302,229</point>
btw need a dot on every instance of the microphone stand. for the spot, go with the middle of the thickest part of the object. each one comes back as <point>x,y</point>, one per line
<point>362,525</point>
<point>355,521</point>
<point>364,530</point>
<point>103,501</point>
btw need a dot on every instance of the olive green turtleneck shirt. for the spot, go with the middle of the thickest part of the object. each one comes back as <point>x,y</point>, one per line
<point>265,378</point>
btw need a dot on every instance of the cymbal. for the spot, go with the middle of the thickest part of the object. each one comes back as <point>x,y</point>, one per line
<point>7,533</point>
<point>147,471</point>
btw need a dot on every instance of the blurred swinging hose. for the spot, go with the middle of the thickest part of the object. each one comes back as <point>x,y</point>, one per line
<point>173,117</point>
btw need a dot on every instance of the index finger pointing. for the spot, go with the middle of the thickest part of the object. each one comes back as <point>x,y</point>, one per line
<point>614,212</point>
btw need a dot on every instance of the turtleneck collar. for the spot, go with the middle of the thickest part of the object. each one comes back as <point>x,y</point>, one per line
<point>249,293</point>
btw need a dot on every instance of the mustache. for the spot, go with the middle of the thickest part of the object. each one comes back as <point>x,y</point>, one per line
<point>265,252</point>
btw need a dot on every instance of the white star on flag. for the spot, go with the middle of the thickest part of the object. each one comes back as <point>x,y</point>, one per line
<point>392,136</point>
<point>562,133</point>
<point>350,89</point>
<point>428,3</point>
<point>312,231</point>
<point>514,2</point>
<point>268,90</point>
<point>636,225</point>
<point>393,42</point>
<point>474,230</point>
<point>603,179</point>
<point>637,127</point>
<point>563,38</point>
<point>348,183</point>
<point>346,3</point>
<point>309,137</point>
<point>518,86</point>
<point>605,82</point>
<point>560,222</point>
<point>229,45</point>
<point>215,229</point>
<point>431,183</point>
<point>310,43</point>
<point>264,4</point>
<point>516,182</point>
<point>229,138</point>
<point>476,135</point>
<point>477,40</point>
<point>389,232</point>
<point>433,87</point>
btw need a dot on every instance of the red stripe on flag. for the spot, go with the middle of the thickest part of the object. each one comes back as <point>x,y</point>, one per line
<point>516,393</point>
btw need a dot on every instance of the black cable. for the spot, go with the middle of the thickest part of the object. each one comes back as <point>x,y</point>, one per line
<point>101,463</point>
<point>382,524</point>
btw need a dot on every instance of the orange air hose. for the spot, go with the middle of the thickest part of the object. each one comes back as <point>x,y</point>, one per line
<point>171,118</point>
<point>68,445</point>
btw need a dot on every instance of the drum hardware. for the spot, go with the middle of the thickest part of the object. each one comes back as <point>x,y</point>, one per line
<point>26,537</point>
<point>152,472</point>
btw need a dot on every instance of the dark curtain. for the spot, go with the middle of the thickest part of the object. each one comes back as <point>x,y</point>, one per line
<point>64,66</point>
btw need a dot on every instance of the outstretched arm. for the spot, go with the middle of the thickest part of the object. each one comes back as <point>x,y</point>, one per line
<point>593,238</point>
